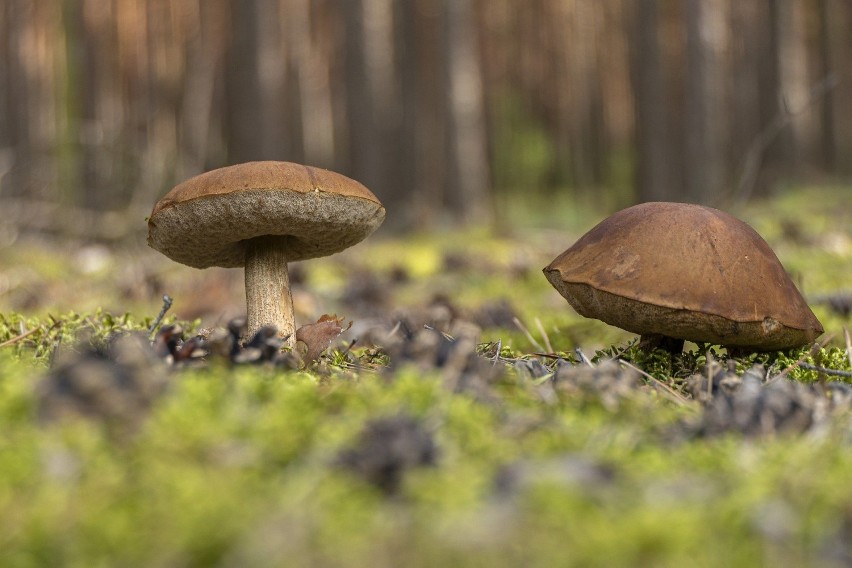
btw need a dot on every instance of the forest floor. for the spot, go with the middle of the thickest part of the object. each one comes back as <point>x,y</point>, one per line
<point>468,417</point>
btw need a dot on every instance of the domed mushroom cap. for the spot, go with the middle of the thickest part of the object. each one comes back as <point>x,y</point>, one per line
<point>684,271</point>
<point>203,221</point>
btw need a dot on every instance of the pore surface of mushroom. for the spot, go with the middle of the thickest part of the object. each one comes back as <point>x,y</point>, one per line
<point>262,215</point>
<point>687,272</point>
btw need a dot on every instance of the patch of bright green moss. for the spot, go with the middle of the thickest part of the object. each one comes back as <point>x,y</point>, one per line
<point>238,466</point>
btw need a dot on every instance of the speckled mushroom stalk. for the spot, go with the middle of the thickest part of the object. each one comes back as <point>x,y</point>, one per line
<point>268,297</point>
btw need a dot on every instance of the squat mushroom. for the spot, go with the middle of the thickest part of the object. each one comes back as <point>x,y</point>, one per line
<point>673,271</point>
<point>262,215</point>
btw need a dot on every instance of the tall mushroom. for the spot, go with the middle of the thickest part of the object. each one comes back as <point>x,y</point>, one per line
<point>262,215</point>
<point>674,271</point>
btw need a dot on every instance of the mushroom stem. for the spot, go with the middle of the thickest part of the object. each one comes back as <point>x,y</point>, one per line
<point>650,341</point>
<point>268,298</point>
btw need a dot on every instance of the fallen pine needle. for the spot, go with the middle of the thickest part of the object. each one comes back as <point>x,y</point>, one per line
<point>544,335</point>
<point>19,337</point>
<point>670,393</point>
<point>527,333</point>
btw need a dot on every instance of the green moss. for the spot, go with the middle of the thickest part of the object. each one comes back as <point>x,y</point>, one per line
<point>238,464</point>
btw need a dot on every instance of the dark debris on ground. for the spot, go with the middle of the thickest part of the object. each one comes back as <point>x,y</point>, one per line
<point>122,381</point>
<point>754,405</point>
<point>387,448</point>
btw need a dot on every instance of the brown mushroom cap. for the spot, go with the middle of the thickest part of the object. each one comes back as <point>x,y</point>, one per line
<point>684,271</point>
<point>203,221</point>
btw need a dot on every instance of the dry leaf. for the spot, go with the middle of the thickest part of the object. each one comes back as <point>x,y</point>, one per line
<point>318,336</point>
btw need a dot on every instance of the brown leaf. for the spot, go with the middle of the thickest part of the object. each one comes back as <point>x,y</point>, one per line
<point>318,336</point>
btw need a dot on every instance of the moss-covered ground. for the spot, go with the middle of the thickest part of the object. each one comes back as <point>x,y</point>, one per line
<point>421,452</point>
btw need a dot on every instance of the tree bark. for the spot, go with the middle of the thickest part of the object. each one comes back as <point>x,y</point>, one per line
<point>654,164</point>
<point>255,83</point>
<point>467,181</point>
<point>828,144</point>
<point>368,77</point>
<point>705,116</point>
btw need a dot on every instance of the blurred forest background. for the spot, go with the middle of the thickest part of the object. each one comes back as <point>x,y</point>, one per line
<point>439,106</point>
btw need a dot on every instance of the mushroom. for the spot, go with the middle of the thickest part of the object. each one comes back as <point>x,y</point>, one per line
<point>674,272</point>
<point>262,215</point>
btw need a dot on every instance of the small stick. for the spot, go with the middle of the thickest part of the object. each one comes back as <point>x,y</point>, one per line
<point>167,303</point>
<point>670,393</point>
<point>834,372</point>
<point>547,355</point>
<point>544,335</point>
<point>848,344</point>
<point>350,346</point>
<point>393,331</point>
<point>527,333</point>
<point>582,356</point>
<point>497,350</point>
<point>24,335</point>
<point>813,351</point>
<point>710,363</point>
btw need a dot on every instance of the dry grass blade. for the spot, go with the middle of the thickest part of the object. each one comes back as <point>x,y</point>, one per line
<point>527,334</point>
<point>18,338</point>
<point>667,391</point>
<point>544,336</point>
<point>710,363</point>
<point>582,357</point>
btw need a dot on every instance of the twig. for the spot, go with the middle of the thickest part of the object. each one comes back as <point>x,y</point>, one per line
<point>582,356</point>
<point>670,393</point>
<point>848,344</point>
<point>834,372</point>
<point>710,364</point>
<point>167,303</point>
<point>394,331</point>
<point>18,338</point>
<point>527,333</point>
<point>813,351</point>
<point>553,356</point>
<point>544,335</point>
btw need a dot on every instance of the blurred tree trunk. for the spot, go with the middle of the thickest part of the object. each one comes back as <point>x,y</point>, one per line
<point>778,156</point>
<point>794,82</point>
<point>202,62</point>
<point>467,166</point>
<point>655,175</point>
<point>705,98</point>
<point>828,146</point>
<point>407,203</point>
<point>370,103</point>
<point>14,134</point>
<point>749,35</point>
<point>841,52</point>
<point>256,83</point>
<point>579,93</point>
<point>88,66</point>
<point>314,91</point>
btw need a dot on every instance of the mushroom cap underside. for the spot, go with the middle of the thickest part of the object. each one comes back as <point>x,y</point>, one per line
<point>679,262</point>
<point>205,220</point>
